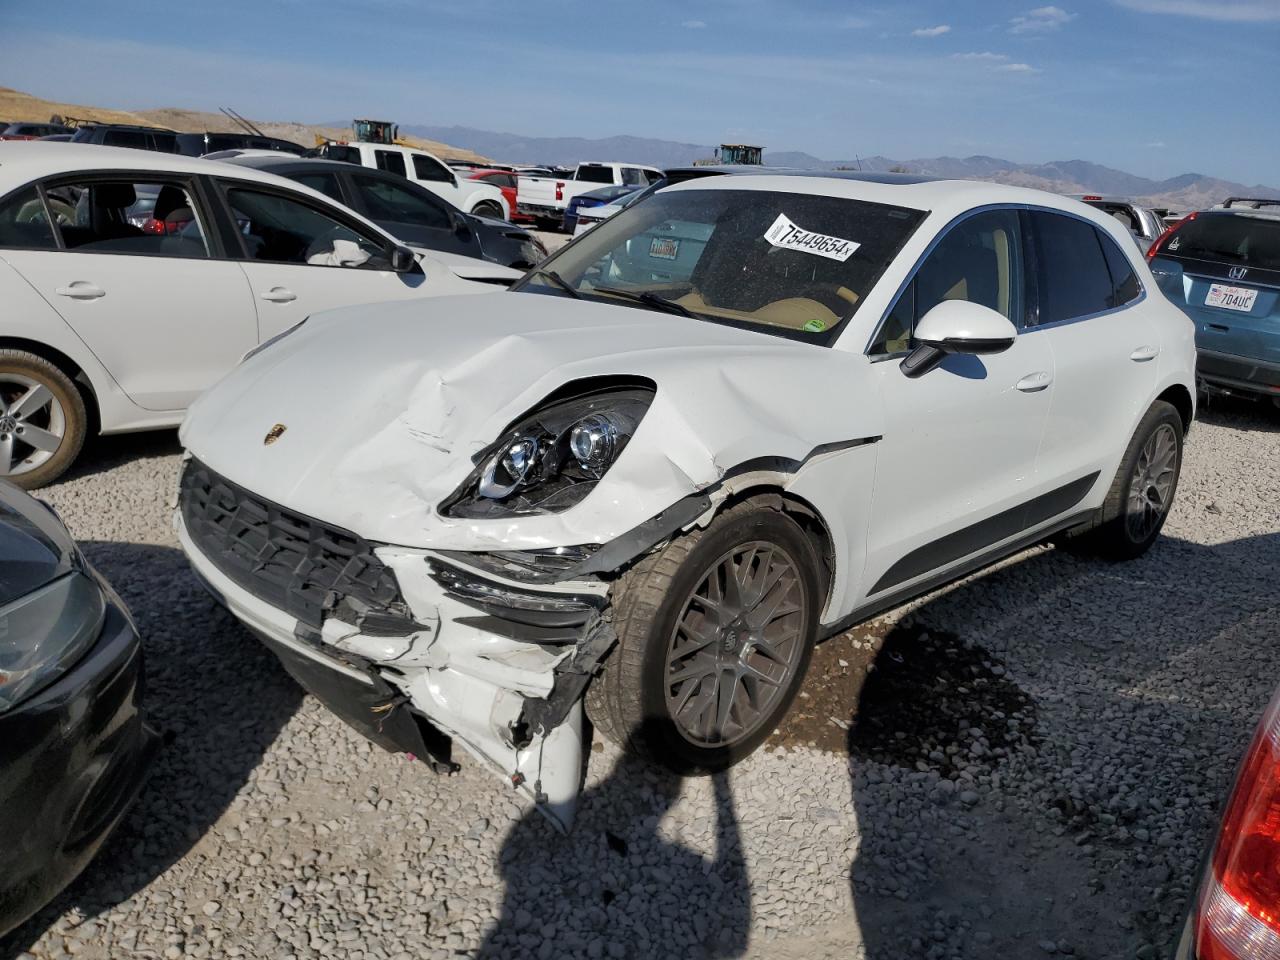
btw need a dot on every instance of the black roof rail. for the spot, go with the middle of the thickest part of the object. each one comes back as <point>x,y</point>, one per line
<point>1256,201</point>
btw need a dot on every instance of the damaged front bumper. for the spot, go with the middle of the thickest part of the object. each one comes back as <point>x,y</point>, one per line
<point>412,648</point>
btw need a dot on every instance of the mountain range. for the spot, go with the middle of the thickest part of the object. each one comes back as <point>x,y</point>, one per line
<point>1189,191</point>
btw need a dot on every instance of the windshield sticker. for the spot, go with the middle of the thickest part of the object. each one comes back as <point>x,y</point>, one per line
<point>788,236</point>
<point>664,248</point>
<point>814,326</point>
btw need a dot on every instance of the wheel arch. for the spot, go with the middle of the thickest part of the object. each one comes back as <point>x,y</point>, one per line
<point>1180,398</point>
<point>74,371</point>
<point>805,515</point>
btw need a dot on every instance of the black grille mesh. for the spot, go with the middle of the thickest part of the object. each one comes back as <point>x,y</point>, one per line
<point>292,562</point>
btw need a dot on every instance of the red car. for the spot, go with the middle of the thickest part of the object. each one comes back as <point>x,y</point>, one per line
<point>504,180</point>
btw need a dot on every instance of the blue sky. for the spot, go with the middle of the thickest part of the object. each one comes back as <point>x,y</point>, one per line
<point>1155,87</point>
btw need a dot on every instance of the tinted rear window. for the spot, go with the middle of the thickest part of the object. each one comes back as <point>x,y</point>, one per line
<point>1074,279</point>
<point>596,174</point>
<point>1229,238</point>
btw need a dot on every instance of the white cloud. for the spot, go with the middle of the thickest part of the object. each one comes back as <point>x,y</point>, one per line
<point>937,31</point>
<point>1228,11</point>
<point>855,23</point>
<point>985,55</point>
<point>694,24</point>
<point>1040,20</point>
<point>1018,68</point>
<point>1156,145</point>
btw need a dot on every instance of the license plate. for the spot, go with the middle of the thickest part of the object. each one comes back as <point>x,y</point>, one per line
<point>1230,298</point>
<point>664,248</point>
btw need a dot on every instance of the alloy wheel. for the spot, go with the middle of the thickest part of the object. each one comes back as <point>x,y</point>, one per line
<point>736,646</point>
<point>32,424</point>
<point>1151,489</point>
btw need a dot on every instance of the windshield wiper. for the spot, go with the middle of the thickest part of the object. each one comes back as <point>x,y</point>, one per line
<point>649,300</point>
<point>559,281</point>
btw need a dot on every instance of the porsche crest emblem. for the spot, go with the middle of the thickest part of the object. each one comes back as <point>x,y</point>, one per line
<point>274,434</point>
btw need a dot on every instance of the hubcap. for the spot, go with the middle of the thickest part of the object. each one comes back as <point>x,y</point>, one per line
<point>1151,489</point>
<point>736,645</point>
<point>32,424</point>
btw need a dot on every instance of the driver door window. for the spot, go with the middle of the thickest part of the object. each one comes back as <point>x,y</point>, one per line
<point>979,260</point>
<point>281,230</point>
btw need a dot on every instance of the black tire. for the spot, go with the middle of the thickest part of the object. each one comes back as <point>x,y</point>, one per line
<point>1112,534</point>
<point>486,208</point>
<point>627,702</point>
<point>32,367</point>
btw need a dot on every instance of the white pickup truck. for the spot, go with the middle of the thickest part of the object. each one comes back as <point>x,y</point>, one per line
<point>545,198</point>
<point>472,196</point>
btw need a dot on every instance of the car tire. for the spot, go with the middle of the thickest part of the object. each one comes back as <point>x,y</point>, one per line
<point>62,415</point>
<point>1129,520</point>
<point>487,208</point>
<point>669,593</point>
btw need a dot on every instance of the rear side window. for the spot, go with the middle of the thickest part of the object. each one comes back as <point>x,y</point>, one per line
<point>1073,274</point>
<point>633,176</point>
<point>1234,238</point>
<point>595,174</point>
<point>24,224</point>
<point>142,218</point>
<point>390,160</point>
<point>125,138</point>
<point>425,168</point>
<point>326,183</point>
<point>1124,281</point>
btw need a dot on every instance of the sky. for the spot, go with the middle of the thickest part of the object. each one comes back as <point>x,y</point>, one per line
<point>1153,87</point>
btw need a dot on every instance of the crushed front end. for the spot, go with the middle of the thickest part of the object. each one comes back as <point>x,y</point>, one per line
<point>415,649</point>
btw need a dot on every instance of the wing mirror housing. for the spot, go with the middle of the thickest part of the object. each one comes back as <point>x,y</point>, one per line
<point>402,259</point>
<point>957,326</point>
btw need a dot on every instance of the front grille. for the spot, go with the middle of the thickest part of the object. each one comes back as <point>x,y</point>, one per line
<point>307,568</point>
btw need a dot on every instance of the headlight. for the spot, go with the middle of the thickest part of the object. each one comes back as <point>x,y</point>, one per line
<point>532,251</point>
<point>45,632</point>
<point>551,459</point>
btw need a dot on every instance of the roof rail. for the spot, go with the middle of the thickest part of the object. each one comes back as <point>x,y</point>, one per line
<point>1256,201</point>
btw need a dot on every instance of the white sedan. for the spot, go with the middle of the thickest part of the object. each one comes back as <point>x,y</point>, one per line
<point>736,418</point>
<point>130,281</point>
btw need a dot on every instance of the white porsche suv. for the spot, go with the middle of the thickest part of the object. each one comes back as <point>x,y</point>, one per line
<point>734,419</point>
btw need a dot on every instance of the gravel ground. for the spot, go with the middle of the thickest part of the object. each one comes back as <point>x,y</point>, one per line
<point>1025,764</point>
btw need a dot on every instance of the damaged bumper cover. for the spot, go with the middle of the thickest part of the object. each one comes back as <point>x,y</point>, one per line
<point>413,649</point>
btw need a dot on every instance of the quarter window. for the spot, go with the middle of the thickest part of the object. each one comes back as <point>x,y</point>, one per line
<point>128,216</point>
<point>24,224</point>
<point>282,230</point>
<point>979,260</point>
<point>425,168</point>
<point>390,160</point>
<point>1073,274</point>
<point>1124,281</point>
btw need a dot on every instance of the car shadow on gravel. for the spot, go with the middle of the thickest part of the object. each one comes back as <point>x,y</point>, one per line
<point>102,454</point>
<point>619,865</point>
<point>1239,413</point>
<point>219,699</point>
<point>1038,755</point>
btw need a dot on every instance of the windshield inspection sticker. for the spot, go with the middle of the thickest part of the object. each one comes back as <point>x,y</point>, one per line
<point>788,236</point>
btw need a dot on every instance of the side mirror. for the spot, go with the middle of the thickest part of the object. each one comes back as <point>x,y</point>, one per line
<point>957,326</point>
<point>402,259</point>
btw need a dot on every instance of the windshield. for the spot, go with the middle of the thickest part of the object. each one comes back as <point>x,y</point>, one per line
<point>790,264</point>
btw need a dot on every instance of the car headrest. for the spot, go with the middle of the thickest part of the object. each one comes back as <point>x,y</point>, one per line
<point>169,199</point>
<point>112,195</point>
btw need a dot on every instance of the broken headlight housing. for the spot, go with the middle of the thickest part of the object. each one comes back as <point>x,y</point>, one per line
<point>551,459</point>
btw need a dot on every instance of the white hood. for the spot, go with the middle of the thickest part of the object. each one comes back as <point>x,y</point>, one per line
<point>384,405</point>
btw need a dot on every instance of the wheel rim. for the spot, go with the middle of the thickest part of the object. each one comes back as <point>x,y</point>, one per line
<point>1151,489</point>
<point>736,646</point>
<point>32,424</point>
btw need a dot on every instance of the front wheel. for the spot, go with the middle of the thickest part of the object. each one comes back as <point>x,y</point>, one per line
<point>715,632</point>
<point>1142,492</point>
<point>487,208</point>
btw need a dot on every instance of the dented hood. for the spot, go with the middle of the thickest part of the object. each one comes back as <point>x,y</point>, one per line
<point>383,407</point>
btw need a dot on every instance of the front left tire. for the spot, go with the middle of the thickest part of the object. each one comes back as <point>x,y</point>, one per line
<point>715,632</point>
<point>43,420</point>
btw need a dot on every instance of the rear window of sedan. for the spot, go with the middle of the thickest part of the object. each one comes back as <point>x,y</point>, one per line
<point>1237,238</point>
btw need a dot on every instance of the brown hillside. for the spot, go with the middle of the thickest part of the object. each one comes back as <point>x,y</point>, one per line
<point>16,105</point>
